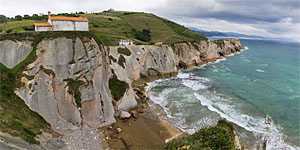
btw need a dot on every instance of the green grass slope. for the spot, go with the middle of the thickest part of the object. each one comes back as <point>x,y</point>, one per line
<point>116,25</point>
<point>17,26</point>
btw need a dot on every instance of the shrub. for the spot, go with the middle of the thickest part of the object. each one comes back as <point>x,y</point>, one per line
<point>112,58</point>
<point>18,17</point>
<point>47,71</point>
<point>124,51</point>
<point>122,61</point>
<point>74,89</point>
<point>29,28</point>
<point>220,43</point>
<point>9,31</point>
<point>3,19</point>
<point>95,25</point>
<point>117,87</point>
<point>218,137</point>
<point>143,35</point>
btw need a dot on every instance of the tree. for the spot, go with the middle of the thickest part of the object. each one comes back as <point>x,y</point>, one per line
<point>18,17</point>
<point>2,19</point>
<point>26,17</point>
<point>143,35</point>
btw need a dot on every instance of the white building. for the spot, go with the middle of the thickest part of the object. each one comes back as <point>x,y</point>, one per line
<point>63,24</point>
<point>125,42</point>
<point>42,27</point>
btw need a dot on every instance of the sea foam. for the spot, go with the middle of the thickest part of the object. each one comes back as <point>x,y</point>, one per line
<point>256,125</point>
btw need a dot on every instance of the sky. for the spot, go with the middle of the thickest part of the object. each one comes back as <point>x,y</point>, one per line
<point>268,18</point>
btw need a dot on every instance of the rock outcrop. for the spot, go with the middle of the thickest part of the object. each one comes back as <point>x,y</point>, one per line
<point>68,84</point>
<point>147,62</point>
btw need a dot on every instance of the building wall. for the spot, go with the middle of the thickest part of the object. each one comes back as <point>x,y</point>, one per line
<point>43,28</point>
<point>81,26</point>
<point>63,25</point>
<point>60,25</point>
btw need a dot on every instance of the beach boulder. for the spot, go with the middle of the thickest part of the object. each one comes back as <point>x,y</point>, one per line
<point>125,115</point>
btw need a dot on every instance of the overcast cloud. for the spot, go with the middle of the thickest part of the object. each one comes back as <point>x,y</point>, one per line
<point>270,18</point>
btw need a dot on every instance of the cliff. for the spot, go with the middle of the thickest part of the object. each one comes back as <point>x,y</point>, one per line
<point>138,64</point>
<point>67,78</point>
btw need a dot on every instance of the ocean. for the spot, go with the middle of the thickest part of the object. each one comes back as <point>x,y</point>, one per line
<point>263,79</point>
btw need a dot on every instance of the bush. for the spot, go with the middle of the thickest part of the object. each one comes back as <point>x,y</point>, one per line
<point>95,25</point>
<point>9,31</point>
<point>18,17</point>
<point>3,19</point>
<point>124,51</point>
<point>117,87</point>
<point>74,89</point>
<point>29,28</point>
<point>220,43</point>
<point>112,58</point>
<point>122,61</point>
<point>217,137</point>
<point>143,35</point>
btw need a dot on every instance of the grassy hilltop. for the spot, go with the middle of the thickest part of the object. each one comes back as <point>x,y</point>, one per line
<point>116,25</point>
<point>111,26</point>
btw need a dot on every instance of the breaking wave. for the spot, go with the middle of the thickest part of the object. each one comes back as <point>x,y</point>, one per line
<point>259,70</point>
<point>214,102</point>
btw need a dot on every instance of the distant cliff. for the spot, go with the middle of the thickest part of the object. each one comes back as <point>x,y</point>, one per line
<point>69,77</point>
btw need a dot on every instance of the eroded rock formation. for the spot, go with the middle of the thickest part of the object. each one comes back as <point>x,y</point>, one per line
<point>68,84</point>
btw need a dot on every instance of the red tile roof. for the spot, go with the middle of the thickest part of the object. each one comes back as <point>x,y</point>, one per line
<point>42,24</point>
<point>69,19</point>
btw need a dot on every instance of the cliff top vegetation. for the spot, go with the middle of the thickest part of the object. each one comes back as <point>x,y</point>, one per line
<point>111,26</point>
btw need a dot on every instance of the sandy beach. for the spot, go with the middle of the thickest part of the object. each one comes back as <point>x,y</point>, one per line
<point>146,131</point>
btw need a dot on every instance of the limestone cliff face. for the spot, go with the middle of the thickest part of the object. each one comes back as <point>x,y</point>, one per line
<point>148,62</point>
<point>64,64</point>
<point>13,52</point>
<point>192,54</point>
<point>67,84</point>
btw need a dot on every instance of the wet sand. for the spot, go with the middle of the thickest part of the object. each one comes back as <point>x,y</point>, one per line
<point>146,131</point>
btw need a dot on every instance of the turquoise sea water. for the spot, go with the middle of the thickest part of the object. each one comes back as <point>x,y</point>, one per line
<point>243,88</point>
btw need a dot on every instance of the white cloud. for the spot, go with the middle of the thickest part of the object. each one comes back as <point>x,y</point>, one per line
<point>282,29</point>
<point>12,8</point>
